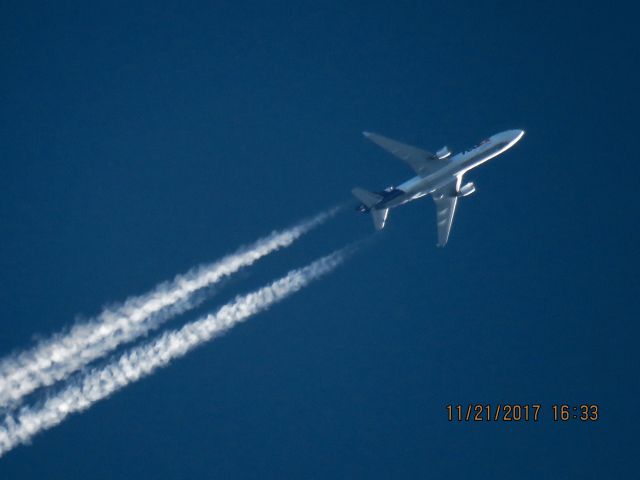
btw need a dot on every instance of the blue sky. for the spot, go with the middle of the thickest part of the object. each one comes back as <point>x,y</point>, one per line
<point>140,140</point>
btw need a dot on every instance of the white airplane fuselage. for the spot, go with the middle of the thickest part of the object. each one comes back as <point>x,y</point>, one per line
<point>457,166</point>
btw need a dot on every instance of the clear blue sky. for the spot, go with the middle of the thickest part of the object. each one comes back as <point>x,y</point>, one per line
<point>140,140</point>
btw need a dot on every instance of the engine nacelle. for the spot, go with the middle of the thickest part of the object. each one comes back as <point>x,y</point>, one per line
<point>467,189</point>
<point>443,153</point>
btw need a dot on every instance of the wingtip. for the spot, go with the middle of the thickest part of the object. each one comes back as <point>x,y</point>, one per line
<point>366,134</point>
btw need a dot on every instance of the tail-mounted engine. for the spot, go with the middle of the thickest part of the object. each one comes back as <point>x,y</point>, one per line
<point>467,189</point>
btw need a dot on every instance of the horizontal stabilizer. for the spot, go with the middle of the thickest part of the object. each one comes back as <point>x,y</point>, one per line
<point>366,197</point>
<point>379,217</point>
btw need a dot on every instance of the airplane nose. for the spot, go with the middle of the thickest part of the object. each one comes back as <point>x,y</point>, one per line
<point>508,136</point>
<point>514,135</point>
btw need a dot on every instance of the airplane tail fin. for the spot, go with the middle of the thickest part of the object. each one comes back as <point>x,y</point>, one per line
<point>368,198</point>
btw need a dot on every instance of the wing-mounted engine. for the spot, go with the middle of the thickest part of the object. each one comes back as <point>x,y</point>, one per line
<point>466,190</point>
<point>443,153</point>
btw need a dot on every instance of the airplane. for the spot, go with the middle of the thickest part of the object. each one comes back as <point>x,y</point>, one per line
<point>439,175</point>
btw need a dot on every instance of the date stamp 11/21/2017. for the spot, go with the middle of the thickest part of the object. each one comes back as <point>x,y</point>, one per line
<point>521,412</point>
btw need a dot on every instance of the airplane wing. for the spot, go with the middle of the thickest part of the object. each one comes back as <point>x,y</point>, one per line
<point>446,200</point>
<point>421,161</point>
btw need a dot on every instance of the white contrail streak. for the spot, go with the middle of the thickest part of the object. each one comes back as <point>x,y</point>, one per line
<point>54,359</point>
<point>144,360</point>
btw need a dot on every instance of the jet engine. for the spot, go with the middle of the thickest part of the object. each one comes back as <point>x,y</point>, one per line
<point>443,153</point>
<point>467,189</point>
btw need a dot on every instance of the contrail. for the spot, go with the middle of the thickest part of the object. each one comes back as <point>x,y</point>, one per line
<point>144,360</point>
<point>56,358</point>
